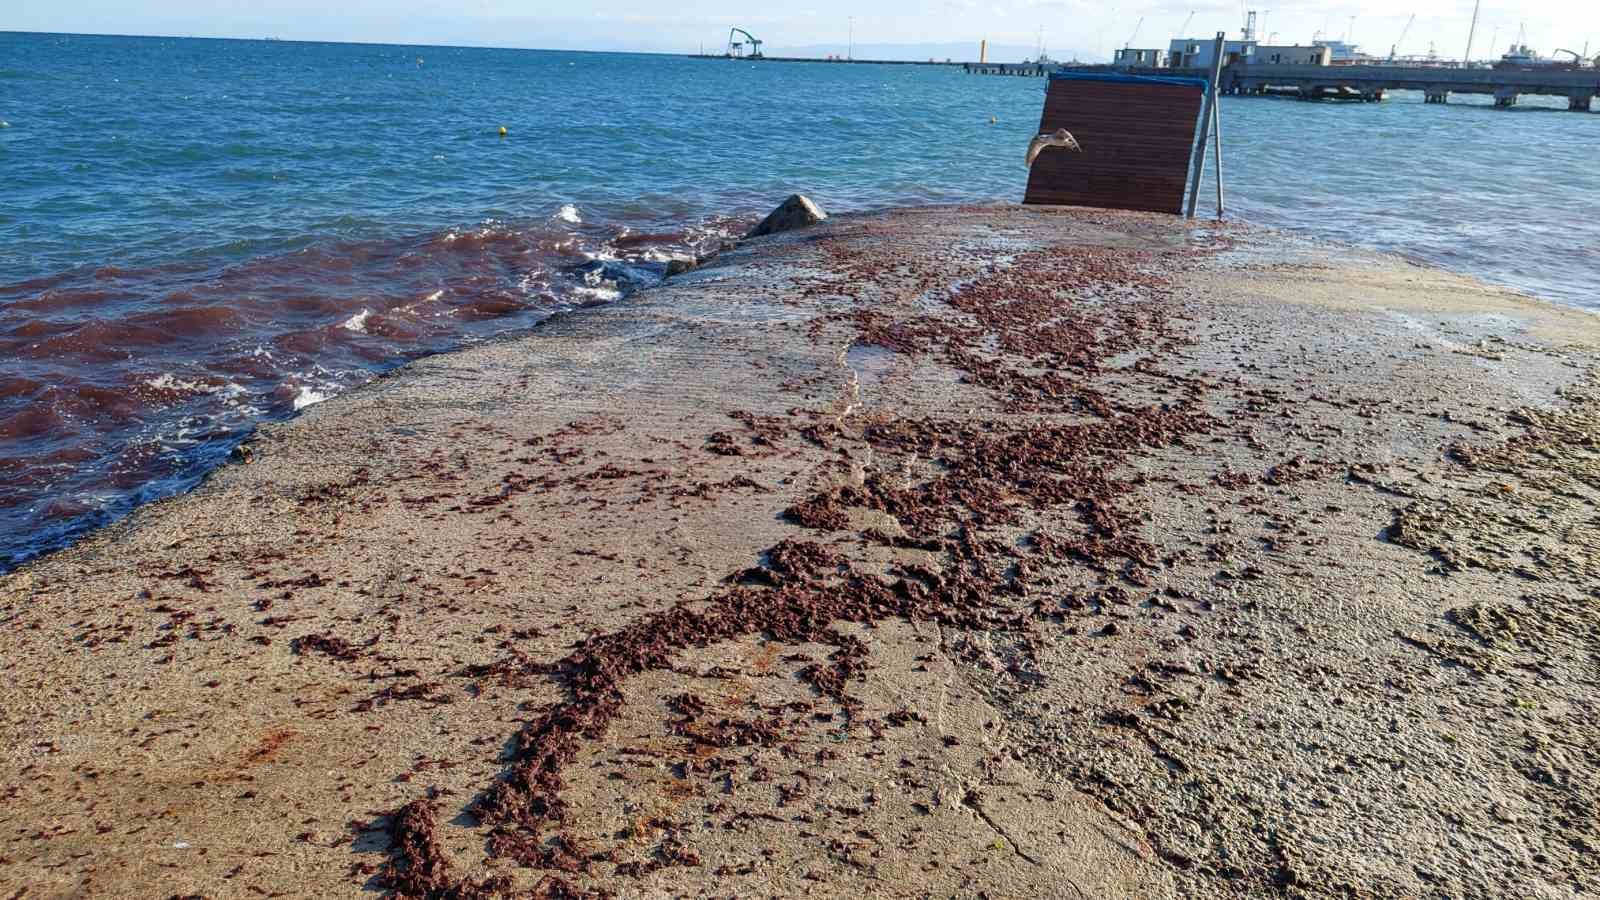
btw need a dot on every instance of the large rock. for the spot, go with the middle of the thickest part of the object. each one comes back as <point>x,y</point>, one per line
<point>796,212</point>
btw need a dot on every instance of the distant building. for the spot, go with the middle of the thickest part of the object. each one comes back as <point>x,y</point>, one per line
<point>1195,53</point>
<point>1128,58</point>
<point>1290,55</point>
<point>1343,54</point>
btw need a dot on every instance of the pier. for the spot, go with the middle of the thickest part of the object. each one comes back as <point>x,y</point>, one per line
<point>1370,83</point>
<point>818,59</point>
<point>1361,83</point>
<point>1026,70</point>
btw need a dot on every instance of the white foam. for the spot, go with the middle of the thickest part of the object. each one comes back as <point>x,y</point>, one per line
<point>601,294</point>
<point>168,382</point>
<point>434,296</point>
<point>569,213</point>
<point>308,397</point>
<point>357,322</point>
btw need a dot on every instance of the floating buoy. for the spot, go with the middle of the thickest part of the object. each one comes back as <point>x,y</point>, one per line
<point>993,121</point>
<point>502,131</point>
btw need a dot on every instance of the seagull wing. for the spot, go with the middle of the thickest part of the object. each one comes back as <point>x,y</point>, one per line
<point>1061,138</point>
<point>1036,147</point>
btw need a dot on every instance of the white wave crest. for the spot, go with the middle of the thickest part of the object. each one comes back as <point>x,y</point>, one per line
<point>357,322</point>
<point>308,396</point>
<point>169,382</point>
<point>603,293</point>
<point>569,213</point>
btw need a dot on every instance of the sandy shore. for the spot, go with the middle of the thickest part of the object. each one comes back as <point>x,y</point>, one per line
<point>952,552</point>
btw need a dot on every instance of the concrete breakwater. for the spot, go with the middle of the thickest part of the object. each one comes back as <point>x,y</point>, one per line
<point>1018,551</point>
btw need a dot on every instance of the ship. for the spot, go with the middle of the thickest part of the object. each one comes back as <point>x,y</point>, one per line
<point>1523,57</point>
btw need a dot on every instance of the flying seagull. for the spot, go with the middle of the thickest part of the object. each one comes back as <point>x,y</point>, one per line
<point>1062,138</point>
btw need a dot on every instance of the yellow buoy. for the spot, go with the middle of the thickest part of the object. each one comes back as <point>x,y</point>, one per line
<point>993,120</point>
<point>502,131</point>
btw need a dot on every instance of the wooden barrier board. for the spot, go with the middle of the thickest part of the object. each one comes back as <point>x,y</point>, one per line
<point>1137,135</point>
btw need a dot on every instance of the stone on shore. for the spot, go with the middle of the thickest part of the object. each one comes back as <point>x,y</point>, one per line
<point>793,214</point>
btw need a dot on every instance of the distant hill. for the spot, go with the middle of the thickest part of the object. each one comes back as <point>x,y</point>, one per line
<point>964,51</point>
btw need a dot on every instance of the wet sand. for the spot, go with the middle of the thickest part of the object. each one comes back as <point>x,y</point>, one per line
<point>949,552</point>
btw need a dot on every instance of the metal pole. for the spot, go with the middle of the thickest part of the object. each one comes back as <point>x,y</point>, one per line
<point>1216,142</point>
<point>1466,61</point>
<point>1205,122</point>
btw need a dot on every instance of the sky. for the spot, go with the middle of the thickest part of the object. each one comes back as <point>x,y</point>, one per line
<point>1081,28</point>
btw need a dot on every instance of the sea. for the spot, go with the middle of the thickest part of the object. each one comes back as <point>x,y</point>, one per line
<point>197,236</point>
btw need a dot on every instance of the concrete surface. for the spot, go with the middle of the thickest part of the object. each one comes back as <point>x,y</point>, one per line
<point>939,553</point>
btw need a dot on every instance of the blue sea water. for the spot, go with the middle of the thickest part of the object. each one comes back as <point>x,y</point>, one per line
<point>196,235</point>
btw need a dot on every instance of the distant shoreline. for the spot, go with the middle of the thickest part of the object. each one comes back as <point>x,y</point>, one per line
<point>412,45</point>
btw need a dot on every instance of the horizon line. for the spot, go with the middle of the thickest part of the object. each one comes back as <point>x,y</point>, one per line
<point>376,43</point>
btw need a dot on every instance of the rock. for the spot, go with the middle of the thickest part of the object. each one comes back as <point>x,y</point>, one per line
<point>794,213</point>
<point>681,264</point>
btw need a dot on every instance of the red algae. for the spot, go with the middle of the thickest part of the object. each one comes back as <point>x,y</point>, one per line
<point>1035,334</point>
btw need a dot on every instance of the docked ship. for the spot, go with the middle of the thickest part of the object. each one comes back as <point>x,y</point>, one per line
<point>1521,56</point>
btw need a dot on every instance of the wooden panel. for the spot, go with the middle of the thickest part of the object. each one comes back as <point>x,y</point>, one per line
<point>1137,140</point>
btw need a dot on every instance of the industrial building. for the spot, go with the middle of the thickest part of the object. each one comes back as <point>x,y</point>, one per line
<point>1290,55</point>
<point>1196,53</point>
<point>1129,58</point>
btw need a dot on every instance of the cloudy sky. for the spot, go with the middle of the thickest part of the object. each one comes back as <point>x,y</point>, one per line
<point>1090,29</point>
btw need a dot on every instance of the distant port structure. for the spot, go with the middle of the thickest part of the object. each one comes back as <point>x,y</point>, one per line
<point>1337,70</point>
<point>1320,70</point>
<point>744,46</point>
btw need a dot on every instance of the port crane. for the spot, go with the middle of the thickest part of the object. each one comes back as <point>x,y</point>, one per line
<point>1394,49</point>
<point>736,49</point>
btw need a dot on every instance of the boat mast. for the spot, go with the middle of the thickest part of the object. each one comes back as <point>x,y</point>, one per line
<point>1471,33</point>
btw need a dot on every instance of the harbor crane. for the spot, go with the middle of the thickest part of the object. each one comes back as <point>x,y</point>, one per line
<point>736,49</point>
<point>1184,31</point>
<point>1394,49</point>
<point>1135,35</point>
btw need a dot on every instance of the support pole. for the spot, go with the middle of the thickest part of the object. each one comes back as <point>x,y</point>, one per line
<point>1216,143</point>
<point>1206,116</point>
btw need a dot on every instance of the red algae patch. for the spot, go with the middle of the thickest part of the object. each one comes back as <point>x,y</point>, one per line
<point>1032,334</point>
